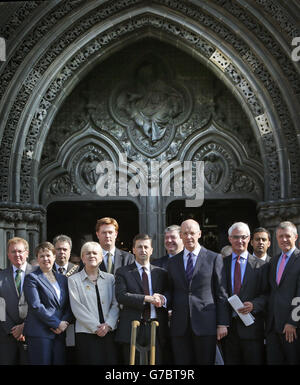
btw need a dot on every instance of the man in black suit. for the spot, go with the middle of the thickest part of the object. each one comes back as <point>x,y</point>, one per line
<point>139,289</point>
<point>245,278</point>
<point>12,341</point>
<point>113,258</point>
<point>173,245</point>
<point>284,282</point>
<point>63,247</point>
<point>261,241</point>
<point>197,298</point>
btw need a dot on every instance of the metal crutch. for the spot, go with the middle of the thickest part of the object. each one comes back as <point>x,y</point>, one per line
<point>134,326</point>
<point>154,325</point>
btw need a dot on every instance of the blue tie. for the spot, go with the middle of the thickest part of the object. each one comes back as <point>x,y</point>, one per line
<point>189,268</point>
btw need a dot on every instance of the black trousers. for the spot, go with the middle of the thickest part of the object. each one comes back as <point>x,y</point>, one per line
<point>191,349</point>
<point>280,351</point>
<point>94,350</point>
<point>13,352</point>
<point>239,351</point>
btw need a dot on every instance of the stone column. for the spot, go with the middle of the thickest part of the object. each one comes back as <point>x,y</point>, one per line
<point>19,220</point>
<point>271,213</point>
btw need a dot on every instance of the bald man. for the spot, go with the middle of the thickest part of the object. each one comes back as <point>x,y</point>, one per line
<point>197,298</point>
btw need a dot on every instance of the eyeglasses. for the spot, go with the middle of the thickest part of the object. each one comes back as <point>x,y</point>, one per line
<point>18,251</point>
<point>238,237</point>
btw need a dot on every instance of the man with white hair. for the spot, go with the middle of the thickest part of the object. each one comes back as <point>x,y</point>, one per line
<point>245,278</point>
<point>282,315</point>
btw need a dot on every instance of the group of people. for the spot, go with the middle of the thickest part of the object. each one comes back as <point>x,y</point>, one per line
<point>186,292</point>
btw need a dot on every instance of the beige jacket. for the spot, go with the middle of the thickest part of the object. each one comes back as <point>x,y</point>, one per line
<point>83,301</point>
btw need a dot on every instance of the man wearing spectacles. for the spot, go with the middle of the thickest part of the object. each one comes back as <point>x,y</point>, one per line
<point>13,307</point>
<point>245,278</point>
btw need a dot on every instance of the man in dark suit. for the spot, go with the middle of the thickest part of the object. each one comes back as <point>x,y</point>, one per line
<point>113,258</point>
<point>245,278</point>
<point>197,298</point>
<point>284,283</point>
<point>173,245</point>
<point>140,303</point>
<point>63,247</point>
<point>12,341</point>
<point>261,241</point>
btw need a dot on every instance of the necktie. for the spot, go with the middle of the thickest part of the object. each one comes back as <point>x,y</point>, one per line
<point>109,263</point>
<point>145,281</point>
<point>18,280</point>
<point>61,270</point>
<point>189,268</point>
<point>281,268</point>
<point>237,276</point>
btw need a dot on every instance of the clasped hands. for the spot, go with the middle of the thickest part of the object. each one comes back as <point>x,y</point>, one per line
<point>156,299</point>
<point>102,329</point>
<point>61,327</point>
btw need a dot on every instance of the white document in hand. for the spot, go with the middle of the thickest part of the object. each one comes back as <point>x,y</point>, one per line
<point>236,303</point>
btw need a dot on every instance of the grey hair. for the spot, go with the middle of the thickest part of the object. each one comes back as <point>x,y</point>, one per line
<point>285,225</point>
<point>62,238</point>
<point>172,228</point>
<point>238,225</point>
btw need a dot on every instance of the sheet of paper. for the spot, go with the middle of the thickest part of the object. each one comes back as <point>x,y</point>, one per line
<point>236,303</point>
<point>2,309</point>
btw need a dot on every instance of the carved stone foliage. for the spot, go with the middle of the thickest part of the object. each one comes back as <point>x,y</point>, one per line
<point>10,213</point>
<point>223,173</point>
<point>191,39</point>
<point>271,213</point>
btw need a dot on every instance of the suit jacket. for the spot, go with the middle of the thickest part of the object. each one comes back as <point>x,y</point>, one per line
<point>82,307</point>
<point>121,258</point>
<point>45,310</point>
<point>161,262</point>
<point>280,308</point>
<point>15,306</point>
<point>71,269</point>
<point>203,302</point>
<point>253,289</point>
<point>129,293</point>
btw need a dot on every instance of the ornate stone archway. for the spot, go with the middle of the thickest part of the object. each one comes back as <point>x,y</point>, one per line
<point>238,41</point>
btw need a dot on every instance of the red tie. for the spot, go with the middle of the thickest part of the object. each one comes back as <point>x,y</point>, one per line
<point>146,311</point>
<point>237,276</point>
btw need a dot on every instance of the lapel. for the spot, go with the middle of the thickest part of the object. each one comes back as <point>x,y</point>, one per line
<point>11,281</point>
<point>228,262</point>
<point>135,273</point>
<point>247,274</point>
<point>199,261</point>
<point>180,267</point>
<point>154,278</point>
<point>46,283</point>
<point>293,258</point>
<point>118,259</point>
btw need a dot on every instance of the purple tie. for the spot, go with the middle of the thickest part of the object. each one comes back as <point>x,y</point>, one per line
<point>281,268</point>
<point>189,268</point>
<point>237,276</point>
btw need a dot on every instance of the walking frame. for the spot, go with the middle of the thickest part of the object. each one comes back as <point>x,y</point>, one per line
<point>143,350</point>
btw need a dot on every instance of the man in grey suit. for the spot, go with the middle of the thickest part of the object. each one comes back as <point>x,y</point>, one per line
<point>282,327</point>
<point>107,231</point>
<point>14,307</point>
<point>197,298</point>
<point>246,279</point>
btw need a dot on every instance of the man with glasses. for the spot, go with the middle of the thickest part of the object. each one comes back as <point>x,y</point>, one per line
<point>245,278</point>
<point>13,305</point>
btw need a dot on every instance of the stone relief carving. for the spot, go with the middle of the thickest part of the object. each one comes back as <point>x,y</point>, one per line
<point>150,106</point>
<point>13,121</point>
